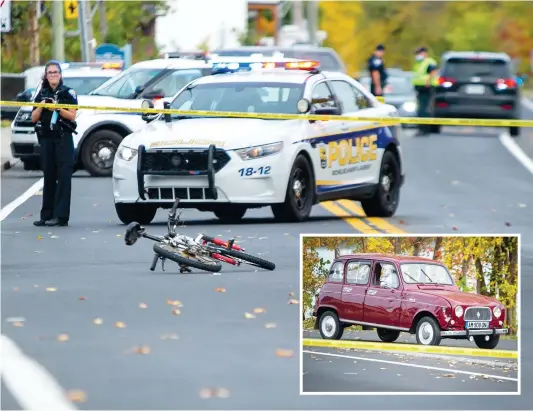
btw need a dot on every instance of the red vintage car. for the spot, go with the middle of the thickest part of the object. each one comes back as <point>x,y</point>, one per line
<point>396,294</point>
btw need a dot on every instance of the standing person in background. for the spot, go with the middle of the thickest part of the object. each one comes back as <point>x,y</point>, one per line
<point>57,146</point>
<point>376,69</point>
<point>424,82</point>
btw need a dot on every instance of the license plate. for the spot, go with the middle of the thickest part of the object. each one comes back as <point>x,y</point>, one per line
<point>477,324</point>
<point>475,89</point>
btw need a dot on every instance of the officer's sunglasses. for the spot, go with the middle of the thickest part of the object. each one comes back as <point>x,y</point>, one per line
<point>52,72</point>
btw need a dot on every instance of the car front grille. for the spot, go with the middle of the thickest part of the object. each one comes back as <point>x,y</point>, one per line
<point>23,119</point>
<point>471,314</point>
<point>184,160</point>
<point>183,193</point>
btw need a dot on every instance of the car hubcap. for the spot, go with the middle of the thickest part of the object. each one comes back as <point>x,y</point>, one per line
<point>426,333</point>
<point>299,188</point>
<point>328,326</point>
<point>103,154</point>
<point>388,184</point>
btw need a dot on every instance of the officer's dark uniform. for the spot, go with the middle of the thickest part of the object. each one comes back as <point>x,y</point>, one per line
<point>376,63</point>
<point>57,158</point>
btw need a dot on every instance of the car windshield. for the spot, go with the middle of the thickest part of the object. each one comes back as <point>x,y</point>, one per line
<point>84,85</point>
<point>125,84</point>
<point>425,273</point>
<point>462,68</point>
<point>252,97</point>
<point>398,85</point>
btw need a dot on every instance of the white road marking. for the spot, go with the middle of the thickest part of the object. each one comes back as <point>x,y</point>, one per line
<point>17,202</point>
<point>512,146</point>
<point>528,103</point>
<point>29,382</point>
<point>426,367</point>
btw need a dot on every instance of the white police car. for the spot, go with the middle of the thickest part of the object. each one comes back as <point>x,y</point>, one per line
<point>227,165</point>
<point>100,132</point>
<point>82,77</point>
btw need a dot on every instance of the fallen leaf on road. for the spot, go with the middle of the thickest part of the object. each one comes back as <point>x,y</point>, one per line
<point>454,228</point>
<point>83,238</point>
<point>284,353</point>
<point>82,298</point>
<point>248,315</point>
<point>291,294</point>
<point>98,321</point>
<point>40,237</point>
<point>214,392</point>
<point>62,337</point>
<point>143,305</point>
<point>293,301</point>
<point>508,224</point>
<point>76,396</point>
<point>262,238</point>
<point>15,289</point>
<point>522,205</point>
<point>51,289</point>
<point>485,377</point>
<point>144,349</point>
<point>382,368</point>
<point>39,193</point>
<point>449,375</point>
<point>270,325</point>
<point>54,236</point>
<point>170,337</point>
<point>175,303</point>
<point>220,290</point>
<point>402,222</point>
<point>120,324</point>
<point>399,375</point>
<point>472,377</point>
<point>176,311</point>
<point>259,310</point>
<point>118,235</point>
<point>18,324</point>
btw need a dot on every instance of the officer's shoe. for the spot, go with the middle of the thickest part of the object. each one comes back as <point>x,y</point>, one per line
<point>56,222</point>
<point>39,223</point>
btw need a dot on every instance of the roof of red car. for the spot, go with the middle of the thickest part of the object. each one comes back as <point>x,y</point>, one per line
<point>394,257</point>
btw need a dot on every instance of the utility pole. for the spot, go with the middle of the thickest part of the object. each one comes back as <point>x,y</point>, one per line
<point>58,41</point>
<point>84,41</point>
<point>34,33</point>
<point>312,20</point>
<point>103,21</point>
<point>297,13</point>
<point>86,6</point>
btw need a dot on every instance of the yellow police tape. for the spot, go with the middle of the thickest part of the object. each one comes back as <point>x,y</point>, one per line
<point>387,120</point>
<point>369,345</point>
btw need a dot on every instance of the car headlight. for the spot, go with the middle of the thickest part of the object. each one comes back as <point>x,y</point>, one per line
<point>458,311</point>
<point>409,106</point>
<point>126,153</point>
<point>497,312</point>
<point>253,153</point>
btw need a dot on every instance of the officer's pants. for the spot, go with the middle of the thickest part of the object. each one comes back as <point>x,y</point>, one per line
<point>424,100</point>
<point>57,162</point>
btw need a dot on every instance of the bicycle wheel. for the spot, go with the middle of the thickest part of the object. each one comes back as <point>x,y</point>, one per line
<point>251,259</point>
<point>181,257</point>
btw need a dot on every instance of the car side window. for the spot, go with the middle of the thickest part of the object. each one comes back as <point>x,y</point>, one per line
<point>336,272</point>
<point>361,100</point>
<point>387,273</point>
<point>321,97</point>
<point>358,272</point>
<point>346,95</point>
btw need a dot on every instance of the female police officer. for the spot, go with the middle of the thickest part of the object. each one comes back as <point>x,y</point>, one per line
<point>57,146</point>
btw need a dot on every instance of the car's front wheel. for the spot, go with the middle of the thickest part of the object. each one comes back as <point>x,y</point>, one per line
<point>330,326</point>
<point>98,152</point>
<point>387,196</point>
<point>140,213</point>
<point>428,332</point>
<point>300,193</point>
<point>492,342</point>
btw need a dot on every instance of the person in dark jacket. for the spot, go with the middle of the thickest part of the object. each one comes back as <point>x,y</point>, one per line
<point>53,128</point>
<point>377,71</point>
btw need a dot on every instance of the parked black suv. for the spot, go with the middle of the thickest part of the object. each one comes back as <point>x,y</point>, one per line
<point>477,85</point>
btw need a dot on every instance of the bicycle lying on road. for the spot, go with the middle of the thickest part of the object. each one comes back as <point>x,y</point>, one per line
<point>203,252</point>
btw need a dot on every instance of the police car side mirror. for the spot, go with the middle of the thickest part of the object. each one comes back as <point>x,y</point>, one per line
<point>326,111</point>
<point>148,116</point>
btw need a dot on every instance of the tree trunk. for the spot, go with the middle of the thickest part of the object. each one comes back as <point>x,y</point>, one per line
<point>417,245</point>
<point>482,288</point>
<point>337,252</point>
<point>103,21</point>
<point>397,245</point>
<point>437,248</point>
<point>464,269</point>
<point>34,35</point>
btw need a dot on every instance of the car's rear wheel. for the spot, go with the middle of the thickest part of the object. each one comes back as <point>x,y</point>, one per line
<point>428,332</point>
<point>140,213</point>
<point>386,335</point>
<point>299,196</point>
<point>434,128</point>
<point>32,163</point>
<point>98,152</point>
<point>487,345</point>
<point>330,326</point>
<point>387,196</point>
<point>514,131</point>
<point>230,214</point>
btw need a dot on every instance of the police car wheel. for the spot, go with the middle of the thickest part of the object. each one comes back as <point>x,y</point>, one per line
<point>98,152</point>
<point>32,164</point>
<point>140,213</point>
<point>387,195</point>
<point>299,196</point>
<point>230,214</point>
<point>514,131</point>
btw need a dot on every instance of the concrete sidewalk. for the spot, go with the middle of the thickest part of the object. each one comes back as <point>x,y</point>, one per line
<point>7,160</point>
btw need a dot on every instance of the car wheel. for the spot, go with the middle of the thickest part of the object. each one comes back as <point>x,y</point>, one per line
<point>487,345</point>
<point>428,332</point>
<point>387,335</point>
<point>32,164</point>
<point>98,152</point>
<point>514,131</point>
<point>387,196</point>
<point>300,193</point>
<point>434,128</point>
<point>231,214</point>
<point>140,213</point>
<point>330,326</point>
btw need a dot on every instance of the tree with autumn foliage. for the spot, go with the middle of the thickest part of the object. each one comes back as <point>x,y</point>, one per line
<point>490,263</point>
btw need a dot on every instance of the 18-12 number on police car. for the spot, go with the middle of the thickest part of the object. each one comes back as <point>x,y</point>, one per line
<point>250,171</point>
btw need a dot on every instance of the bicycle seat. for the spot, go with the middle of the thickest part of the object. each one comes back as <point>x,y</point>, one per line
<point>133,233</point>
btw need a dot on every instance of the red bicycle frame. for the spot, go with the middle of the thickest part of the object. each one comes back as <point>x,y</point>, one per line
<point>222,243</point>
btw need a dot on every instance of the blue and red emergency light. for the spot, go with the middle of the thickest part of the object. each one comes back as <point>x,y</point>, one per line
<point>233,66</point>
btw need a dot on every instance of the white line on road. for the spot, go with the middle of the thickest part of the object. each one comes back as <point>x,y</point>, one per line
<point>426,367</point>
<point>17,202</point>
<point>516,151</point>
<point>29,382</point>
<point>528,103</point>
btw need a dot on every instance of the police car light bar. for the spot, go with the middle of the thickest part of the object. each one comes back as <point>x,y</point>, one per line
<point>233,66</point>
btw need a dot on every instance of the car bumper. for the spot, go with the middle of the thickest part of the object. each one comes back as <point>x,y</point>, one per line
<point>25,150</point>
<point>468,333</point>
<point>230,182</point>
<point>476,107</point>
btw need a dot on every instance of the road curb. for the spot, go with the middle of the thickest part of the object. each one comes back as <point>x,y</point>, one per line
<point>473,352</point>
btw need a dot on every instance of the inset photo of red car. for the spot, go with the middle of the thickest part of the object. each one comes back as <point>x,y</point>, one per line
<point>417,313</point>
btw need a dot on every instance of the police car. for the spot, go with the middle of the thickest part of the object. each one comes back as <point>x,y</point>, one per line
<point>100,132</point>
<point>228,165</point>
<point>82,77</point>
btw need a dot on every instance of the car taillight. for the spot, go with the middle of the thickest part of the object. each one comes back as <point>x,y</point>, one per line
<point>446,81</point>
<point>505,83</point>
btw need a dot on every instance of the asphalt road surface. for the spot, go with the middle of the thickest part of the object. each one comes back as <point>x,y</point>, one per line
<point>331,370</point>
<point>459,182</point>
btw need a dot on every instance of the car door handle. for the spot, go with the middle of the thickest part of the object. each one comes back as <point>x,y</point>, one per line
<point>372,292</point>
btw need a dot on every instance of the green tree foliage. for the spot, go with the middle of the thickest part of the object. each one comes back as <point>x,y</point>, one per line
<point>492,261</point>
<point>501,26</point>
<point>127,22</point>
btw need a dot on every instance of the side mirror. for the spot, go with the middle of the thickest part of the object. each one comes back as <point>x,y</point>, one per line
<point>166,106</point>
<point>154,94</point>
<point>326,111</point>
<point>148,116</point>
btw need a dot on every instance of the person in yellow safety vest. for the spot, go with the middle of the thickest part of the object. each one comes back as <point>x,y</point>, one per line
<point>424,81</point>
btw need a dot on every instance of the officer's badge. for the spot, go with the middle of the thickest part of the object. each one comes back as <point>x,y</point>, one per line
<point>73,93</point>
<point>377,62</point>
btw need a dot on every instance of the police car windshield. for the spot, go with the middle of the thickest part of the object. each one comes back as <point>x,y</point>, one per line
<point>127,83</point>
<point>252,97</point>
<point>424,273</point>
<point>84,85</point>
